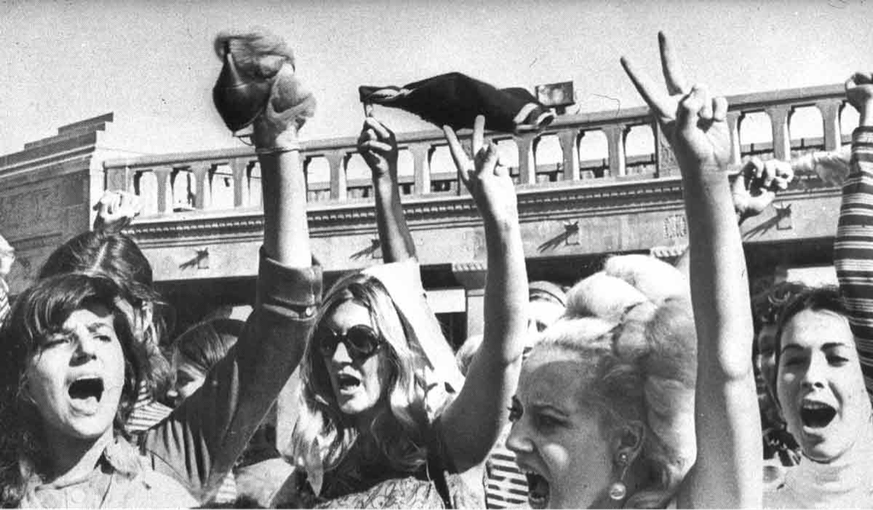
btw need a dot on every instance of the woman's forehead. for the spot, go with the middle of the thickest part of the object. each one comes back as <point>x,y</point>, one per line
<point>817,327</point>
<point>348,313</point>
<point>550,371</point>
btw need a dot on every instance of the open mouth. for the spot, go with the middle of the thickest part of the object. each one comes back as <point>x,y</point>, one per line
<point>86,388</point>
<point>816,415</point>
<point>538,490</point>
<point>348,382</point>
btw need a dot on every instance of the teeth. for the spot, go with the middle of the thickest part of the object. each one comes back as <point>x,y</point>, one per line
<point>815,405</point>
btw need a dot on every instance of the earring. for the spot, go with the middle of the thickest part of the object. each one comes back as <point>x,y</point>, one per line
<point>617,489</point>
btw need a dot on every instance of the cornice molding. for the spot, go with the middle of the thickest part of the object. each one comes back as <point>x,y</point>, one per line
<point>541,203</point>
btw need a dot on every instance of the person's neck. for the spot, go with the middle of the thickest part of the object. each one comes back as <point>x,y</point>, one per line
<point>74,458</point>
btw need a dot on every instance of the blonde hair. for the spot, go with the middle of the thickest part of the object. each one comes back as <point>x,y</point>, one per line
<point>632,328</point>
<point>323,436</point>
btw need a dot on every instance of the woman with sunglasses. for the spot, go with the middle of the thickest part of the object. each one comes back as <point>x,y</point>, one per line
<point>385,415</point>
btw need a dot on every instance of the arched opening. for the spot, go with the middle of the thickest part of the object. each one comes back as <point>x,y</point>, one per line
<point>639,147</point>
<point>807,130</point>
<point>756,135</point>
<point>145,184</point>
<point>548,158</point>
<point>593,155</point>
<point>317,179</point>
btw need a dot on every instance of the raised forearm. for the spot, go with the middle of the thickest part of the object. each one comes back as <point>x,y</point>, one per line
<point>286,233</point>
<point>719,283</point>
<point>394,235</point>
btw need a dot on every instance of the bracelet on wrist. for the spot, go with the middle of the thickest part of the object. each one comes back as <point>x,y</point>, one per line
<point>277,150</point>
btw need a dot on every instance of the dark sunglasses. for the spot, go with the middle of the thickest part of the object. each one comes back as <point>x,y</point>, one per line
<point>361,341</point>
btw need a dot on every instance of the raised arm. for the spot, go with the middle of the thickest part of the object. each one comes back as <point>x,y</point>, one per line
<point>728,469</point>
<point>202,439</point>
<point>115,211</point>
<point>473,422</point>
<point>378,146</point>
<point>853,247</point>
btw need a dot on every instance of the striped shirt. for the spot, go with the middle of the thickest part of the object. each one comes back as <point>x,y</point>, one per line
<point>4,300</point>
<point>505,485</point>
<point>147,412</point>
<point>853,248</point>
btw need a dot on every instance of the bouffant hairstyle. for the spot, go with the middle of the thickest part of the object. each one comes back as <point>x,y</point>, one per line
<point>632,328</point>
<point>39,311</point>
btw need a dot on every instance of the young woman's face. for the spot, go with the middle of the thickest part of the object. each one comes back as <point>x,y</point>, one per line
<point>557,439</point>
<point>820,385</point>
<point>77,377</point>
<point>189,378</point>
<point>358,382</point>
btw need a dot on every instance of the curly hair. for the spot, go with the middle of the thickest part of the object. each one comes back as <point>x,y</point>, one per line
<point>767,305</point>
<point>323,436</point>
<point>40,311</point>
<point>118,257</point>
<point>632,329</point>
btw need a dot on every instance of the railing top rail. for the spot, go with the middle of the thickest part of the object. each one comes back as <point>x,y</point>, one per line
<point>629,116</point>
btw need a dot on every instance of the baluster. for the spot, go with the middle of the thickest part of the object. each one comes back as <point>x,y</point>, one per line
<point>615,139</point>
<point>239,167</point>
<point>830,116</point>
<point>200,172</point>
<point>162,175</point>
<point>779,122</point>
<point>733,120</point>
<point>338,185</point>
<point>527,170</point>
<point>421,167</point>
<point>568,139</point>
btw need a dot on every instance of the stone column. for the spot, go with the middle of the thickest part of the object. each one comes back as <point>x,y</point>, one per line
<point>421,168</point>
<point>779,122</point>
<point>569,138</point>
<point>615,140</point>
<point>830,116</point>
<point>338,188</point>
<point>527,171</point>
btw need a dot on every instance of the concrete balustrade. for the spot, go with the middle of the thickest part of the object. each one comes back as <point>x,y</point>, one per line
<point>187,182</point>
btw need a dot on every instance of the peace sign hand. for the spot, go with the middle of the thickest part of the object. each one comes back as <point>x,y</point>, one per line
<point>695,124</point>
<point>487,180</point>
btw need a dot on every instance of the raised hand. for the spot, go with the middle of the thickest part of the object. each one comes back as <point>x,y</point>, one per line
<point>859,92</point>
<point>487,180</point>
<point>278,129</point>
<point>755,187</point>
<point>378,145</point>
<point>115,211</point>
<point>694,123</point>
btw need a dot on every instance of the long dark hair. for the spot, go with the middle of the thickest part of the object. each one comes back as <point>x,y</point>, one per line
<point>39,311</point>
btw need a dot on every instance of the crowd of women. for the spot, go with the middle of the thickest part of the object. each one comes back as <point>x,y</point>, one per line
<point>637,392</point>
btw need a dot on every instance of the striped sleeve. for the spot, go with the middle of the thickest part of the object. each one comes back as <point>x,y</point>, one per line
<point>853,247</point>
<point>4,302</point>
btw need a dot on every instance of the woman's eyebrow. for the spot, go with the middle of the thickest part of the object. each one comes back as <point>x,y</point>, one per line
<point>793,347</point>
<point>548,406</point>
